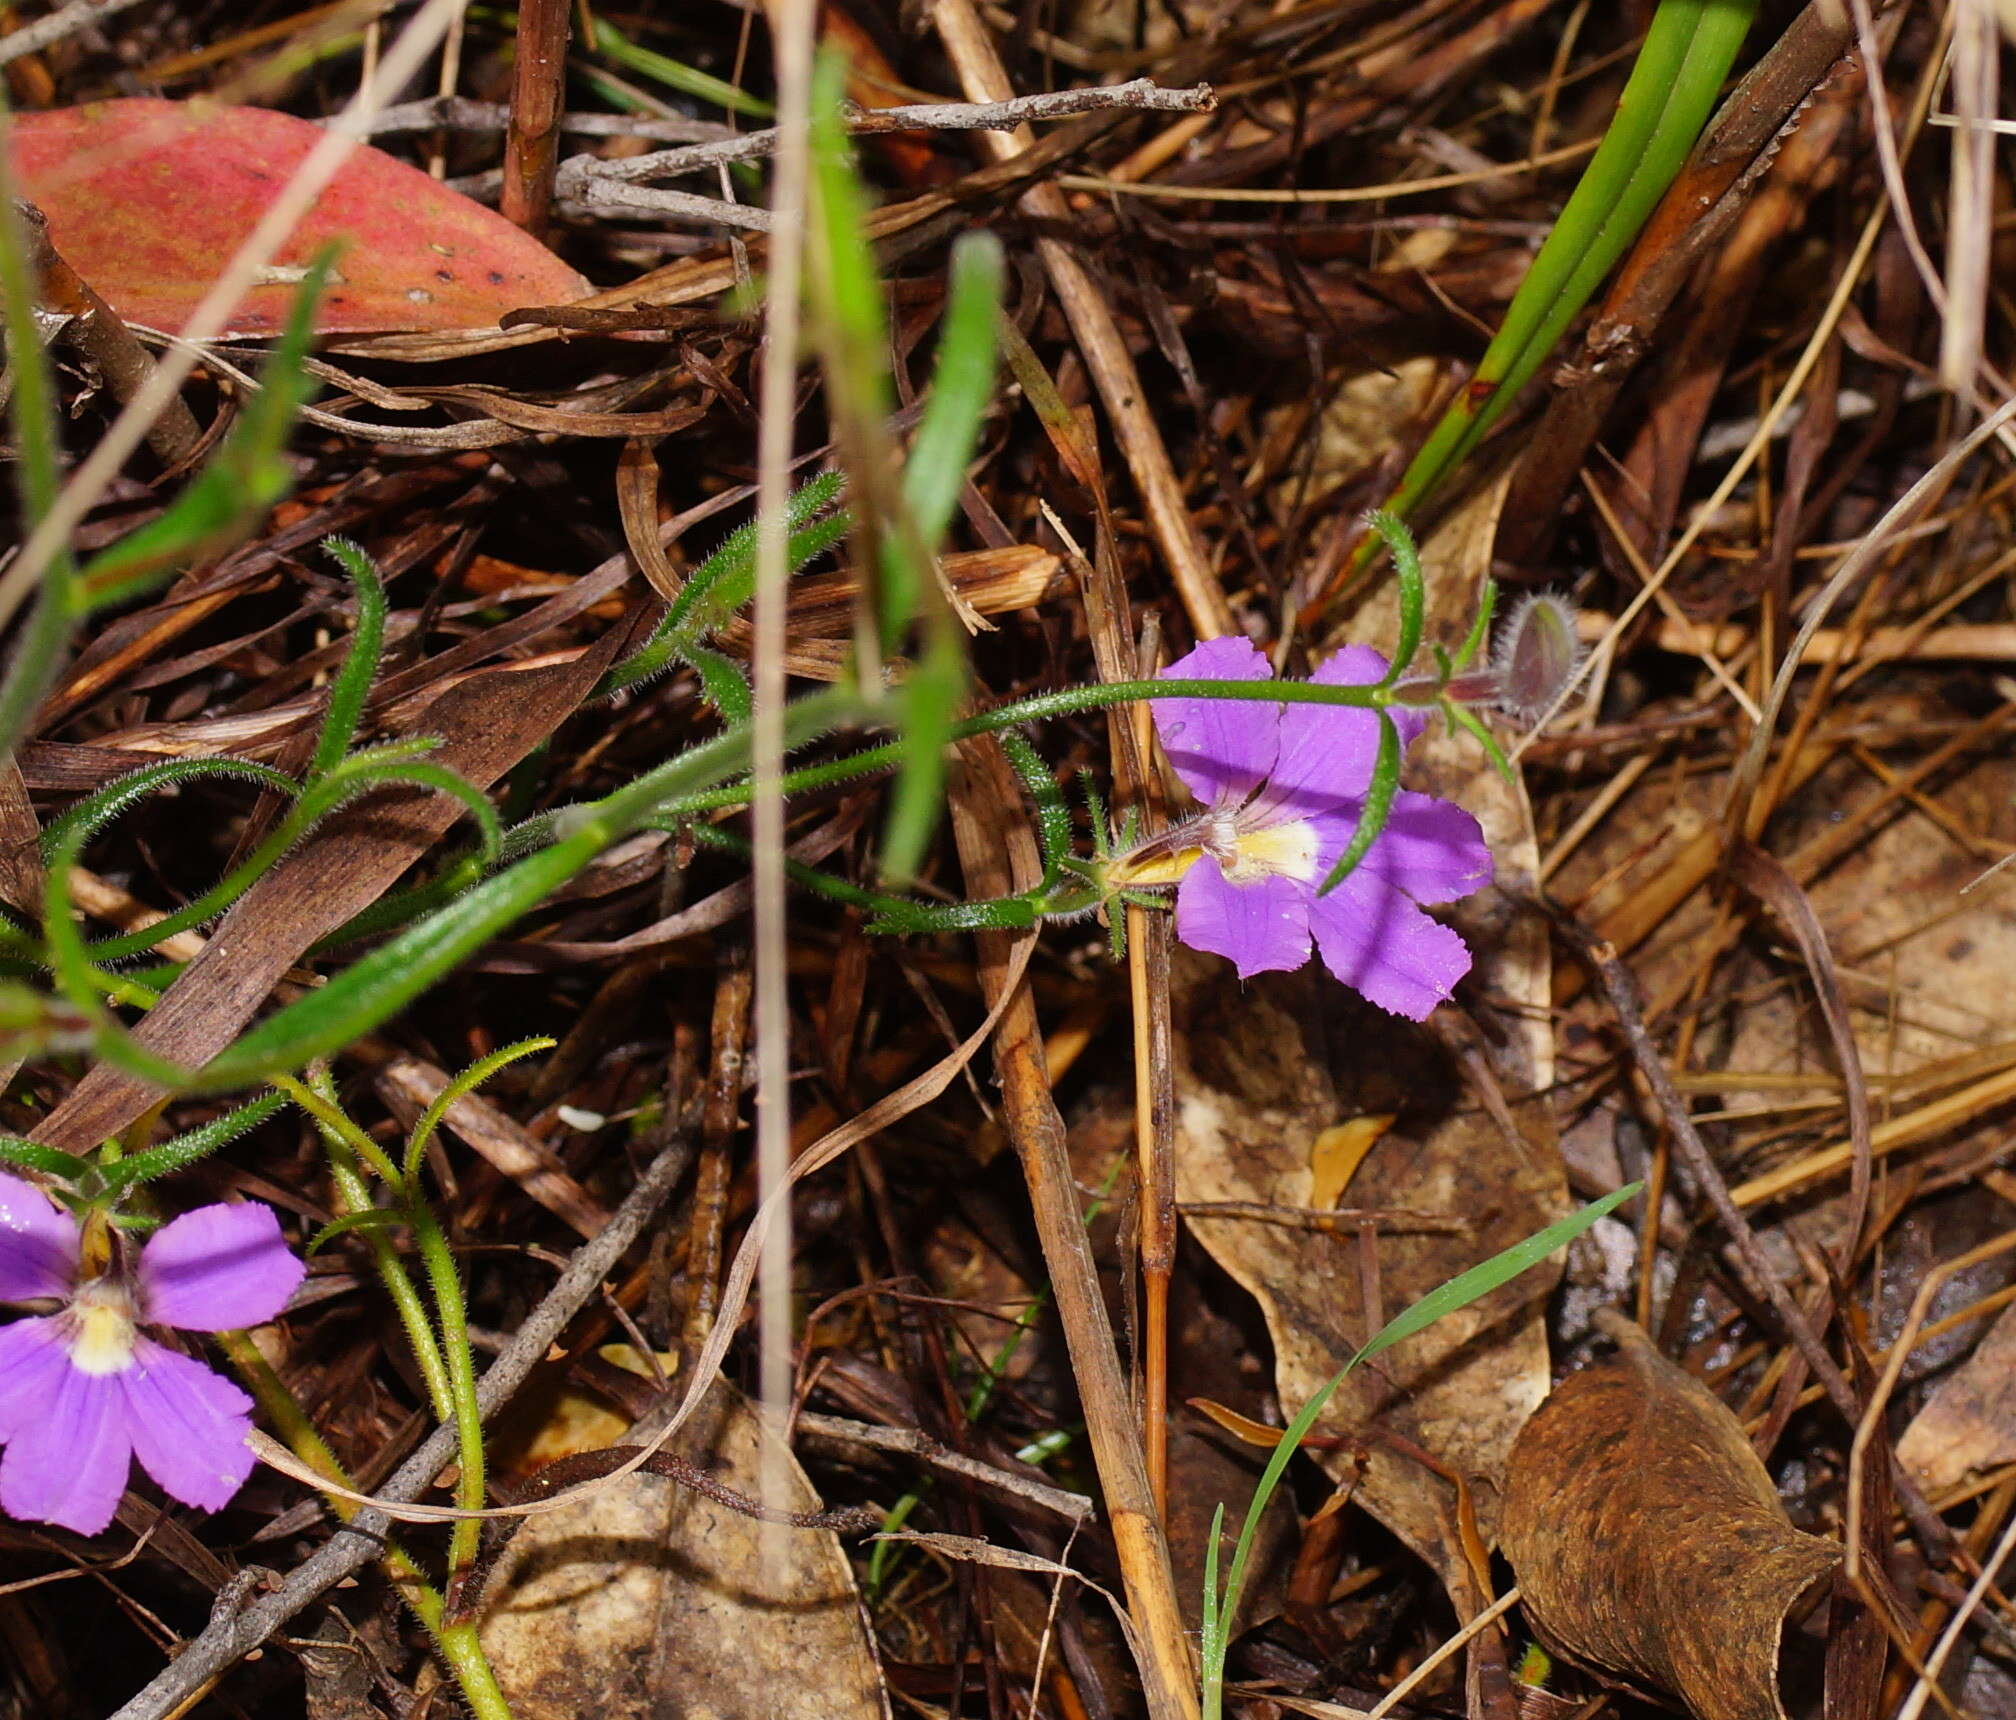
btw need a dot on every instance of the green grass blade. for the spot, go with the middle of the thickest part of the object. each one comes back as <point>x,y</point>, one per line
<point>617,48</point>
<point>44,643</point>
<point>962,387</point>
<point>1687,53</point>
<point>1501,1268</point>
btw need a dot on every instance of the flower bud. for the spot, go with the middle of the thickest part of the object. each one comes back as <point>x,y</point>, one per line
<point>1536,656</point>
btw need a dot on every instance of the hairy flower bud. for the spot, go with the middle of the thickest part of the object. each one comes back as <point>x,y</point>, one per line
<point>1536,656</point>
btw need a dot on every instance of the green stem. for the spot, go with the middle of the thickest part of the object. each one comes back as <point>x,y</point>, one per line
<point>452,1315</point>
<point>461,1646</point>
<point>1040,707</point>
<point>348,1144</point>
<point>459,1643</point>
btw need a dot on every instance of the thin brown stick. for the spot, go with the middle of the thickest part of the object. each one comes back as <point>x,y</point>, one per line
<point>914,1442</point>
<point>98,332</point>
<point>1154,1116</point>
<point>1337,1221</point>
<point>1142,94</point>
<point>998,858</point>
<point>1098,335</point>
<point>726,1055</point>
<point>64,21</point>
<point>1762,875</point>
<point>532,141</point>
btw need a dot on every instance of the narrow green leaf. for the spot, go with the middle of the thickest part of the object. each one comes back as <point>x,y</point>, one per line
<point>1399,542</point>
<point>98,809</point>
<point>459,1088</point>
<point>1471,724</point>
<point>352,684</point>
<point>373,1220</point>
<point>727,579</point>
<point>840,268</point>
<point>1461,1290</point>
<point>247,475</point>
<point>43,645</point>
<point>1501,1268</point>
<point>1687,52</point>
<point>1378,806</point>
<point>616,47</point>
<point>186,1149</point>
<point>49,1161</point>
<point>722,682</point>
<point>387,978</point>
<point>1053,815</point>
<point>1480,630</point>
<point>928,703</point>
<point>1210,1644</point>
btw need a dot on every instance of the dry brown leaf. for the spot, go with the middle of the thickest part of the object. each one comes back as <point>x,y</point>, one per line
<point>1969,1424</point>
<point>1262,1070</point>
<point>647,1599</point>
<point>1648,1540</point>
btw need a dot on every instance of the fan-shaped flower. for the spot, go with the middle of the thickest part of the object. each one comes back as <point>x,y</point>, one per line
<point>83,1391</point>
<point>1283,786</point>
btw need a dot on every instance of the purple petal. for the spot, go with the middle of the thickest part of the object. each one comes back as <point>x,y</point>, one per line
<point>1262,927</point>
<point>38,1243</point>
<point>1221,748</point>
<point>1382,946</point>
<point>68,1463</point>
<point>218,1268</point>
<point>1429,848</point>
<point>188,1426</point>
<point>33,1358</point>
<point>1327,751</point>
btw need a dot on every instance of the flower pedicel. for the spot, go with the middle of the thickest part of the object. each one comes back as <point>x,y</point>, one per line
<point>83,1390</point>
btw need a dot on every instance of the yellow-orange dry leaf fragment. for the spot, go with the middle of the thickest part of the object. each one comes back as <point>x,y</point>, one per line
<point>1337,1154</point>
<point>1648,1540</point>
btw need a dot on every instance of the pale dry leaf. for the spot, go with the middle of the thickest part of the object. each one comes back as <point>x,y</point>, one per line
<point>1648,1541</point>
<point>1969,1423</point>
<point>648,1599</point>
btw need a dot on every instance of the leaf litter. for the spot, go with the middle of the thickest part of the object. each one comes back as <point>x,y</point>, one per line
<point>1221,387</point>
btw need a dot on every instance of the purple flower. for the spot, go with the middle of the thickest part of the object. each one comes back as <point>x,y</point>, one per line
<point>83,1392</point>
<point>1282,787</point>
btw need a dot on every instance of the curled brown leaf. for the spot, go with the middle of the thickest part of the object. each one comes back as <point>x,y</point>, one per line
<point>1648,1540</point>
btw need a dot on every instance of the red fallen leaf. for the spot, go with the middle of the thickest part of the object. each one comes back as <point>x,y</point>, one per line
<point>147,198</point>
